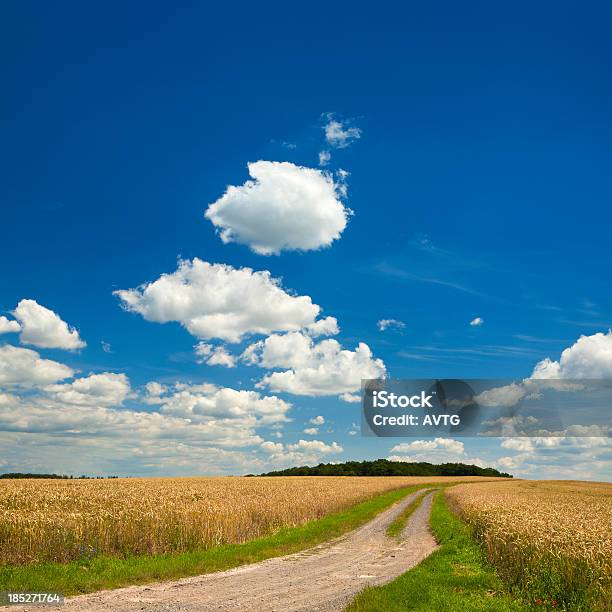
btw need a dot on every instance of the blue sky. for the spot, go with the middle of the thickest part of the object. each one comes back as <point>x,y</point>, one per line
<point>479,184</point>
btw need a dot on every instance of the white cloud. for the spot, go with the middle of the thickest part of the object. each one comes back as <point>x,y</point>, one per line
<point>351,398</point>
<point>202,351</point>
<point>189,430</point>
<point>507,463</point>
<point>546,369</point>
<point>311,431</point>
<point>315,446</point>
<point>565,456</point>
<point>519,444</point>
<point>567,442</point>
<point>324,157</point>
<point>318,420</point>
<point>272,447</point>
<point>506,396</point>
<point>446,444</point>
<point>7,326</point>
<point>47,415</point>
<point>588,357</point>
<point>155,389</point>
<point>106,389</point>
<point>200,403</point>
<point>220,356</point>
<point>25,367</point>
<point>281,351</point>
<point>477,322</point>
<point>439,450</point>
<point>441,458</point>
<point>284,208</point>
<point>43,328</point>
<point>219,301</point>
<point>324,327</point>
<point>106,347</point>
<point>342,182</point>
<point>322,368</point>
<point>337,134</point>
<point>385,324</point>
<point>127,453</point>
<point>303,452</point>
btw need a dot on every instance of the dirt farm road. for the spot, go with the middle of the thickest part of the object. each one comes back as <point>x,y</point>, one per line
<point>323,578</point>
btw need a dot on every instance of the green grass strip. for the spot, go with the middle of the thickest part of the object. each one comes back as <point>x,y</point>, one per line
<point>397,526</point>
<point>112,572</point>
<point>455,577</point>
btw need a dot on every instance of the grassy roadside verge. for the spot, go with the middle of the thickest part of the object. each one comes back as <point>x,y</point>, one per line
<point>111,572</point>
<point>397,526</point>
<point>455,577</point>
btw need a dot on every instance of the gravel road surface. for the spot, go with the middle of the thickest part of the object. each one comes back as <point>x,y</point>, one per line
<point>323,578</point>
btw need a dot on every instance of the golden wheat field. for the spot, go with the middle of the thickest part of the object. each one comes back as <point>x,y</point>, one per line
<point>61,520</point>
<point>557,534</point>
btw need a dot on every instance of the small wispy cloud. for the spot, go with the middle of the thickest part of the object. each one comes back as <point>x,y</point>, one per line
<point>528,338</point>
<point>338,134</point>
<point>476,353</point>
<point>350,398</point>
<point>584,323</point>
<point>395,272</point>
<point>477,322</point>
<point>423,242</point>
<point>385,324</point>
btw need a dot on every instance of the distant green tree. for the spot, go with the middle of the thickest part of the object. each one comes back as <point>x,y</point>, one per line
<point>384,467</point>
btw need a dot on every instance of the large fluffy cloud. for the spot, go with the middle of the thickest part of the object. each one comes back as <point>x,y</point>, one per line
<point>439,450</point>
<point>588,357</point>
<point>106,389</point>
<point>186,419</point>
<point>43,328</point>
<point>284,207</point>
<point>25,367</point>
<point>313,368</point>
<point>200,403</point>
<point>43,415</point>
<point>302,452</point>
<point>219,301</point>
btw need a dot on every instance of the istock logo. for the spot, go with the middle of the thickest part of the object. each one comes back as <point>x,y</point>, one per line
<point>384,399</point>
<point>485,407</point>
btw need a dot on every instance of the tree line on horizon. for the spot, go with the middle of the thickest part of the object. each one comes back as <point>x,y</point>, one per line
<point>384,467</point>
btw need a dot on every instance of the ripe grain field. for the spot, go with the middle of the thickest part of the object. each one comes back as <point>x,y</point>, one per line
<point>550,540</point>
<point>64,520</point>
